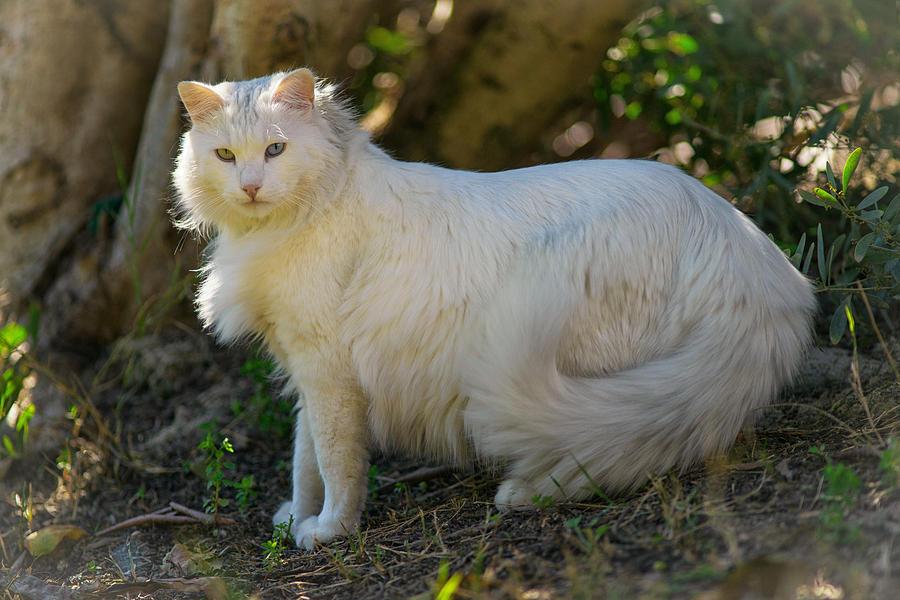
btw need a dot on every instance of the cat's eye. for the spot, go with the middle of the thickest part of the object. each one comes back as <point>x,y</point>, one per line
<point>275,149</point>
<point>225,154</point>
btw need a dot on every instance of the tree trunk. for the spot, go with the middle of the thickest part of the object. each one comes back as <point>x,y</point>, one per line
<point>74,79</point>
<point>499,74</point>
<point>109,286</point>
<point>108,290</point>
<point>256,37</point>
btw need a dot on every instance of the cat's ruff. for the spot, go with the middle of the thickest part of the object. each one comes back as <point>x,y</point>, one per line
<point>581,324</point>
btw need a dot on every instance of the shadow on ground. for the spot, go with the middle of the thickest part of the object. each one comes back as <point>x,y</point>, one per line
<point>804,507</point>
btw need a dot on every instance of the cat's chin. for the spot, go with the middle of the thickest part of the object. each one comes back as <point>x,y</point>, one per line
<point>256,209</point>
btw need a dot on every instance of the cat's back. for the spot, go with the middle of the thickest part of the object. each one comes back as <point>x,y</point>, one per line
<point>559,194</point>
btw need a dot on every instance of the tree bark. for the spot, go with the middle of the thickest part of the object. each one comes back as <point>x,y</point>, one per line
<point>256,37</point>
<point>106,286</point>
<point>499,74</point>
<point>109,290</point>
<point>71,105</point>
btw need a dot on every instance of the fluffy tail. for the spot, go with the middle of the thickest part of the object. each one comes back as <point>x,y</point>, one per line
<point>567,434</point>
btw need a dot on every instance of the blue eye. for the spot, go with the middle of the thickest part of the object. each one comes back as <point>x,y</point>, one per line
<point>225,154</point>
<point>275,149</point>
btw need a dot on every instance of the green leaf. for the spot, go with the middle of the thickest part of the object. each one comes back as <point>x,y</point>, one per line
<point>798,253</point>
<point>893,208</point>
<point>811,198</point>
<point>806,263</point>
<point>24,419</point>
<point>825,195</point>
<point>448,590</point>
<point>387,41</point>
<point>44,541</point>
<point>673,117</point>
<point>682,43</point>
<point>872,198</point>
<point>849,168</point>
<point>828,262</point>
<point>838,325</point>
<point>871,216</point>
<point>820,256</point>
<point>8,445</point>
<point>633,110</point>
<point>836,246</point>
<point>894,270</point>
<point>850,321</point>
<point>862,246</point>
<point>12,335</point>
<point>830,175</point>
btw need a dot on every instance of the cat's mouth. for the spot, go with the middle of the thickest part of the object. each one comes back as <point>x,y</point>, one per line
<point>254,202</point>
<point>256,208</point>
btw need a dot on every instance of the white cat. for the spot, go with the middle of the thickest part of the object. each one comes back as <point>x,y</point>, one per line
<point>579,324</point>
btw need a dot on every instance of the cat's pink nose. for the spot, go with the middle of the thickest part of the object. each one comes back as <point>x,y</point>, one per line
<point>250,189</point>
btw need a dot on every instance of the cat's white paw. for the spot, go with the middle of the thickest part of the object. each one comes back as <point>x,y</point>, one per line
<point>514,494</point>
<point>283,514</point>
<point>319,530</point>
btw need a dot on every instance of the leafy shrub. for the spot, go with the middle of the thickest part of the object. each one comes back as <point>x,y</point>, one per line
<point>863,260</point>
<point>752,96</point>
<point>14,341</point>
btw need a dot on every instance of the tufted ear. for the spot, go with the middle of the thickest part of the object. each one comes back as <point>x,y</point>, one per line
<point>296,89</point>
<point>200,100</point>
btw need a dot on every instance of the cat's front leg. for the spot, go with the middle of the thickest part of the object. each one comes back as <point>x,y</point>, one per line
<point>336,414</point>
<point>307,490</point>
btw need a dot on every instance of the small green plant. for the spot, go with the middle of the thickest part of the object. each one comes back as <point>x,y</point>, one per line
<point>357,543</point>
<point>215,465</point>
<point>273,414</point>
<point>24,505</point>
<point>215,470</point>
<point>372,477</point>
<point>446,584</point>
<point>273,549</point>
<point>14,371</point>
<point>542,502</point>
<point>588,536</point>
<point>244,492</point>
<point>841,488</point>
<point>889,463</point>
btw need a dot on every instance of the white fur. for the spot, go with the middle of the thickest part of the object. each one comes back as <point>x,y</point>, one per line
<point>586,323</point>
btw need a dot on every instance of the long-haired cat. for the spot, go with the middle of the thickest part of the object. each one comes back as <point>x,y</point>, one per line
<point>577,324</point>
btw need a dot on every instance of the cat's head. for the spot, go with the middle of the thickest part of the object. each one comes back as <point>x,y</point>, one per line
<point>257,152</point>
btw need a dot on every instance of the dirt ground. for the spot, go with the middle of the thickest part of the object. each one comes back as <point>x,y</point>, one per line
<point>805,506</point>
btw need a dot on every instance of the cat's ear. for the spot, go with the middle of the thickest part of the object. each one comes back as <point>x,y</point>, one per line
<point>296,89</point>
<point>200,100</point>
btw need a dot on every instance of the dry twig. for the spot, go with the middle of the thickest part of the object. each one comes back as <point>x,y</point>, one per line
<point>168,516</point>
<point>33,588</point>
<point>875,328</point>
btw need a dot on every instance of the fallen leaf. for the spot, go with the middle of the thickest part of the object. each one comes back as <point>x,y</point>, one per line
<point>187,562</point>
<point>44,541</point>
